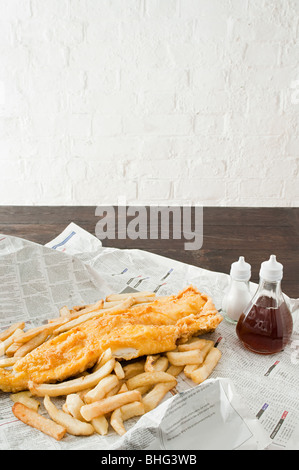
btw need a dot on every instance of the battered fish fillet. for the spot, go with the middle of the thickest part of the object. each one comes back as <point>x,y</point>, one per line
<point>141,330</point>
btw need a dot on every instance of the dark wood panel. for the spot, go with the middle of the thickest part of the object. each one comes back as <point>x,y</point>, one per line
<point>258,216</point>
<point>45,214</point>
<point>212,215</point>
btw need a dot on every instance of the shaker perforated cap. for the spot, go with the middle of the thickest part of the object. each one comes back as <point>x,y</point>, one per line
<point>240,270</point>
<point>271,270</point>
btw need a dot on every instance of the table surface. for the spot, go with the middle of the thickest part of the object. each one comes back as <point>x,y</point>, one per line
<point>228,233</point>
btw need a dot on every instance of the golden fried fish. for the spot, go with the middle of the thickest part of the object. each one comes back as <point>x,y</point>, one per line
<point>144,329</point>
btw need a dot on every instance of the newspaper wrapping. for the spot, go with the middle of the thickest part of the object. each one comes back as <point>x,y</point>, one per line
<point>249,401</point>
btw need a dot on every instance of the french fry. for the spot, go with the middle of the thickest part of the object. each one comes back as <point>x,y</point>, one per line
<point>12,349</point>
<point>182,358</point>
<point>205,350</point>
<point>88,309</point>
<point>144,389</point>
<point>33,419</point>
<point>195,343</point>
<point>77,308</point>
<point>204,371</point>
<point>25,399</point>
<point>119,372</point>
<point>174,370</point>
<point>161,364</point>
<point>73,405</point>
<point>153,398</point>
<point>72,386</point>
<point>189,368</point>
<point>73,426</point>
<point>114,297</point>
<point>94,314</point>
<point>82,393</point>
<point>123,388</point>
<point>111,304</point>
<point>192,356</point>
<point>7,362</point>
<point>116,422</point>
<point>101,389</point>
<point>100,425</point>
<point>136,408</point>
<point>9,331</point>
<point>4,345</point>
<point>133,368</point>
<point>77,311</point>
<point>114,390</point>
<point>124,413</point>
<point>104,357</point>
<point>156,363</point>
<point>64,312</point>
<point>150,361</point>
<point>136,300</point>
<point>148,378</point>
<point>145,299</point>
<point>101,407</point>
<point>48,328</point>
<point>31,344</point>
<point>64,408</point>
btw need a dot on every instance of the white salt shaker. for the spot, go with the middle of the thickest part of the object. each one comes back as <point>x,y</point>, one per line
<point>238,294</point>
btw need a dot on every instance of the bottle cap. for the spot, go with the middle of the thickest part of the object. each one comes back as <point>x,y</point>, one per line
<point>271,270</point>
<point>240,270</point>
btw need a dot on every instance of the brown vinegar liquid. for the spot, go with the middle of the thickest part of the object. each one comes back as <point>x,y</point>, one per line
<point>265,329</point>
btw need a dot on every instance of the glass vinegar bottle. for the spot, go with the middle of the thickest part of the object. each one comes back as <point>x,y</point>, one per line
<point>266,325</point>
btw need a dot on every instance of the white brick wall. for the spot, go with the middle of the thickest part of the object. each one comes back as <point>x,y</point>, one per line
<point>155,101</point>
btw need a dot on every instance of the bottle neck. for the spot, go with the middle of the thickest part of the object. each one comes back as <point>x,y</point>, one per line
<point>272,286</point>
<point>269,293</point>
